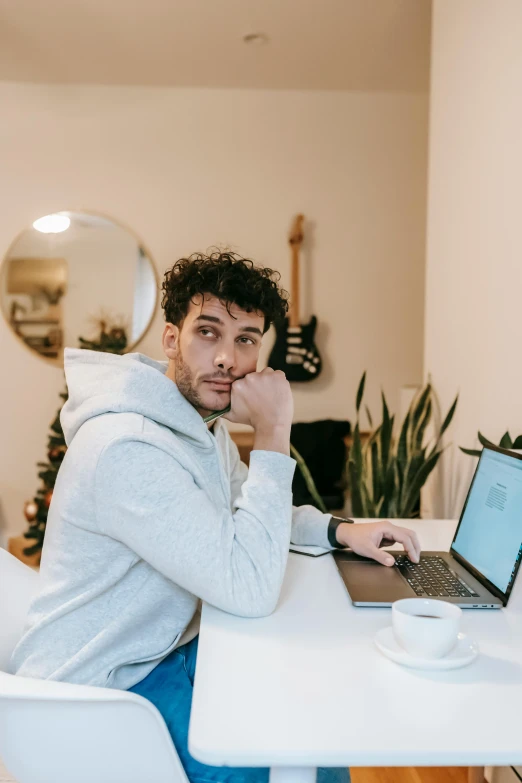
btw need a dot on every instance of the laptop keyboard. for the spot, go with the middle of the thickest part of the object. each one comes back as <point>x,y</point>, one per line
<point>432,577</point>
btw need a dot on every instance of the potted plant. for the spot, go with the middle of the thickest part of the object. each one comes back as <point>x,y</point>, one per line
<point>506,442</point>
<point>386,474</point>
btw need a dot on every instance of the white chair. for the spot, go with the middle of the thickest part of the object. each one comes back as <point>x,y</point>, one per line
<point>53,732</point>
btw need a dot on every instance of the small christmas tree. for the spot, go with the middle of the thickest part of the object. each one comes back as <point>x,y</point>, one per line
<point>111,339</point>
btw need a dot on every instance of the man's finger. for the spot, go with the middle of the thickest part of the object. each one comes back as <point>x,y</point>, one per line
<point>381,557</point>
<point>408,538</point>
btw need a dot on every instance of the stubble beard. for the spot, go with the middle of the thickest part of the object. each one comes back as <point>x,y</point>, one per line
<point>185,383</point>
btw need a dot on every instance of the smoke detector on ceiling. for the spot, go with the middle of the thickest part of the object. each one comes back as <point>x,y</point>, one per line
<point>256,39</point>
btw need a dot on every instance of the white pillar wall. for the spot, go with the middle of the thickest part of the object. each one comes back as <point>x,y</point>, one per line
<point>474,231</point>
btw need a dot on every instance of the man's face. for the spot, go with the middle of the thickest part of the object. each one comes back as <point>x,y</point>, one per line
<point>210,350</point>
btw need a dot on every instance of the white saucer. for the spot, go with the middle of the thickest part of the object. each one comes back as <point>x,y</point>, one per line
<point>464,652</point>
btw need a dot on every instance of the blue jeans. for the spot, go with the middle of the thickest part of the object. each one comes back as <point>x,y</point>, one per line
<point>169,687</point>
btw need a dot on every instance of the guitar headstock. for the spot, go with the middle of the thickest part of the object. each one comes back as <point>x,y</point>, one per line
<point>296,232</point>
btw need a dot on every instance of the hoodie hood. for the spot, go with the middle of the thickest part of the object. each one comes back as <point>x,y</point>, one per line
<point>101,383</point>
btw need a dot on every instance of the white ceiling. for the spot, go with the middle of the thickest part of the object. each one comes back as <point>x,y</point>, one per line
<point>314,44</point>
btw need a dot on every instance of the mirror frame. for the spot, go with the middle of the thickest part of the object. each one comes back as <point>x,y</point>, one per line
<point>58,362</point>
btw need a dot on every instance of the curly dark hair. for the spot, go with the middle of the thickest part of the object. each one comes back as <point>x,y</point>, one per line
<point>230,278</point>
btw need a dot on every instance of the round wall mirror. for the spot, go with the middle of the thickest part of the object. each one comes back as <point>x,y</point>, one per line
<point>73,277</point>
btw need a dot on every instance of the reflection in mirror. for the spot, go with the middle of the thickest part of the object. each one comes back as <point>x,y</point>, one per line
<point>72,275</point>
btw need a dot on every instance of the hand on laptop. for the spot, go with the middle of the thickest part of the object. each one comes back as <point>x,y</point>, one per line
<point>366,539</point>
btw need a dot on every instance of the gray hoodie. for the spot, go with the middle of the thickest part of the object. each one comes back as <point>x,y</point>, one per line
<point>150,513</point>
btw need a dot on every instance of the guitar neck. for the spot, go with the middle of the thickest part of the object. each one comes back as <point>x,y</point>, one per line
<point>293,314</point>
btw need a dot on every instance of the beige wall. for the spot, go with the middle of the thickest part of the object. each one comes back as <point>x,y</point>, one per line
<point>187,169</point>
<point>474,258</point>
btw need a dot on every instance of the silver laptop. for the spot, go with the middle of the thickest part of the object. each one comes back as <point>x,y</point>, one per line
<point>479,570</point>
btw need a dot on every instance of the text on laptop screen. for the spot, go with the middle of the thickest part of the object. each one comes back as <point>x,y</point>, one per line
<point>490,533</point>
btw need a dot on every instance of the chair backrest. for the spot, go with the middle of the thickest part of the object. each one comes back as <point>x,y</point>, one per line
<point>47,739</point>
<point>77,733</point>
<point>18,584</point>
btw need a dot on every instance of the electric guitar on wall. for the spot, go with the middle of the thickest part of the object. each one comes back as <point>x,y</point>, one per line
<point>294,350</point>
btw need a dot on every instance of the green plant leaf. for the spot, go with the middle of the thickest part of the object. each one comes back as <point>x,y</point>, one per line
<point>355,494</point>
<point>483,440</point>
<point>387,429</point>
<point>402,448</point>
<point>447,421</point>
<point>517,443</point>
<point>415,463</point>
<point>389,489</point>
<point>393,502</point>
<point>418,407</point>
<point>356,450</point>
<point>376,473</point>
<point>373,437</point>
<point>385,410</point>
<point>310,483</point>
<point>360,392</point>
<point>367,505</point>
<point>421,427</point>
<point>471,452</point>
<point>417,484</point>
<point>449,416</point>
<point>387,442</point>
<point>369,416</point>
<point>379,508</point>
<point>505,441</point>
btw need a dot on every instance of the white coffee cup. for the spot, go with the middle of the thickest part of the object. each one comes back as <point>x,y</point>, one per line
<point>426,628</point>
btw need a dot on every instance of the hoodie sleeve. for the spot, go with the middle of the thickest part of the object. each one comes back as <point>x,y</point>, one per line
<point>235,561</point>
<point>309,525</point>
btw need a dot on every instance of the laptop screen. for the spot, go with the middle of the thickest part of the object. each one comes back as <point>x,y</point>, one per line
<point>489,536</point>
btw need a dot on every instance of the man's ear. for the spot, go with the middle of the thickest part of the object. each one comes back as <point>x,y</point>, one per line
<point>171,340</point>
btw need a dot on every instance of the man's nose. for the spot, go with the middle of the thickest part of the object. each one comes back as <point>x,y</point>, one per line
<point>225,357</point>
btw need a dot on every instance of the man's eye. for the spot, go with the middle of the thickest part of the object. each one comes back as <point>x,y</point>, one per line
<point>246,341</point>
<point>206,331</point>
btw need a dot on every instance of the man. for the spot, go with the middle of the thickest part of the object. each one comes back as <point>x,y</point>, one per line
<point>153,511</point>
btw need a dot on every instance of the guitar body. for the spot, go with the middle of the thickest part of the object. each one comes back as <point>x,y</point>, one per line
<point>295,352</point>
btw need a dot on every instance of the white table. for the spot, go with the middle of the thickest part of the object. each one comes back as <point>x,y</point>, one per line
<point>306,687</point>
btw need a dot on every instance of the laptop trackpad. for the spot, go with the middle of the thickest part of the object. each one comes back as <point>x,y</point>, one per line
<point>370,582</point>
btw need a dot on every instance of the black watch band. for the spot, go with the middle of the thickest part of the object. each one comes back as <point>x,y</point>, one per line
<point>332,531</point>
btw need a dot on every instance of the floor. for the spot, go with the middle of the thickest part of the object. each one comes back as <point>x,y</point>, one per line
<point>372,775</point>
<point>410,775</point>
